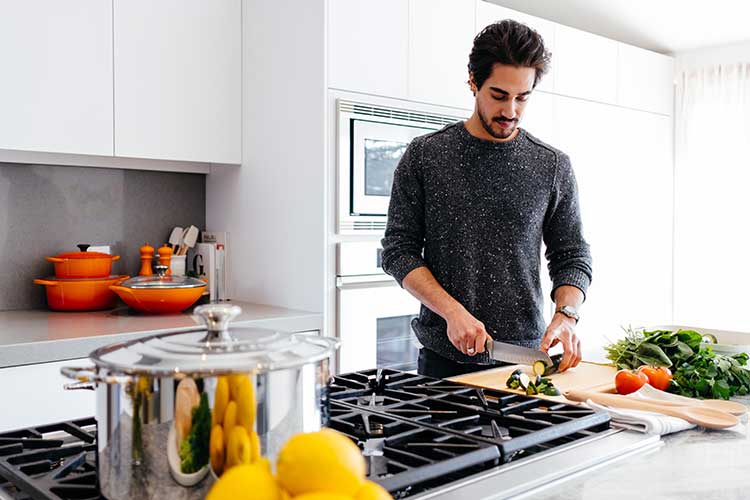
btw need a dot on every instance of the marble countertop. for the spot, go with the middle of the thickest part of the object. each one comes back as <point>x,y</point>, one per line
<point>39,336</point>
<point>696,464</point>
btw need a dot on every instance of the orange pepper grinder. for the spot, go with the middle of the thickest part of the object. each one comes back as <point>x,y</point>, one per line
<point>147,256</point>
<point>165,257</point>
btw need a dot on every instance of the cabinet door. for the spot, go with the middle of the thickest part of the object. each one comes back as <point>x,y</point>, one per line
<point>56,88</point>
<point>441,34</point>
<point>585,65</point>
<point>368,45</point>
<point>178,79</point>
<point>645,80</point>
<point>488,13</point>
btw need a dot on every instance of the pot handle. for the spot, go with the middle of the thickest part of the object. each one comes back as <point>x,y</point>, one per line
<point>88,375</point>
<point>115,257</point>
<point>45,282</point>
<point>55,259</point>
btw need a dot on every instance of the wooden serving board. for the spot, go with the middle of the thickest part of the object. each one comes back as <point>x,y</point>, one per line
<point>586,376</point>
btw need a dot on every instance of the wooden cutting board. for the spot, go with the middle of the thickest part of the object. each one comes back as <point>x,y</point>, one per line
<point>586,376</point>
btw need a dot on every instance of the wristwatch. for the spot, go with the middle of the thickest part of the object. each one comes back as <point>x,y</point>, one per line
<point>568,311</point>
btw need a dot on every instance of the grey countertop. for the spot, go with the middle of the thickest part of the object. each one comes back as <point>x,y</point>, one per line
<point>39,336</point>
<point>696,464</point>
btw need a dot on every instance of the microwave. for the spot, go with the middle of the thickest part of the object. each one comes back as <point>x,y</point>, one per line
<point>371,140</point>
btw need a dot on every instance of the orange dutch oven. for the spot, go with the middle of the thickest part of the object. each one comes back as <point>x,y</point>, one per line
<point>83,264</point>
<point>80,294</point>
<point>160,294</point>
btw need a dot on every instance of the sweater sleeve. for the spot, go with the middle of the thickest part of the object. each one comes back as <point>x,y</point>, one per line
<point>568,254</point>
<point>404,232</point>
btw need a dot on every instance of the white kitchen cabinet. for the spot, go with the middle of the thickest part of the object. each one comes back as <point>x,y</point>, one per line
<point>645,80</point>
<point>368,45</point>
<point>441,34</point>
<point>56,88</point>
<point>585,65</point>
<point>488,13</point>
<point>34,395</point>
<point>178,79</point>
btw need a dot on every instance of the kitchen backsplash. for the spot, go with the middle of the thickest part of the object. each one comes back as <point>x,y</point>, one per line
<point>46,210</point>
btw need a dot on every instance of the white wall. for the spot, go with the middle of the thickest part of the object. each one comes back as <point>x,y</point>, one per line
<point>724,54</point>
<point>271,207</point>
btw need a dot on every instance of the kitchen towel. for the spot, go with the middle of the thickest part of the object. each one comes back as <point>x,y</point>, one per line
<point>646,421</point>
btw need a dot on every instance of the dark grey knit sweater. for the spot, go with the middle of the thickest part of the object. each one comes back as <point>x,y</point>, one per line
<point>475,213</point>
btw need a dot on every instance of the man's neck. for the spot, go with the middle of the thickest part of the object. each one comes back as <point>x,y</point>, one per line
<point>474,127</point>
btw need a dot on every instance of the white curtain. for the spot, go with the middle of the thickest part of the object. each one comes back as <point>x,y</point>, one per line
<point>712,198</point>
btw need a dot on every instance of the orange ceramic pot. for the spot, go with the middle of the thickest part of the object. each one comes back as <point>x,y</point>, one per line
<point>81,294</point>
<point>160,294</point>
<point>83,264</point>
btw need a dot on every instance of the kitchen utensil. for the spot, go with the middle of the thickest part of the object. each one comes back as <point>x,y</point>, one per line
<point>175,238</point>
<point>83,264</point>
<point>84,294</point>
<point>280,383</point>
<point>160,294</point>
<point>705,417</point>
<point>191,236</point>
<point>165,258</point>
<point>147,258</point>
<point>511,353</point>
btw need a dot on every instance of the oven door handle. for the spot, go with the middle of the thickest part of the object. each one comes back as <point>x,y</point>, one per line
<point>364,281</point>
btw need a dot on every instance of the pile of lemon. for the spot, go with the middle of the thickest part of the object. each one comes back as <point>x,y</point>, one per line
<point>323,465</point>
<point>233,438</point>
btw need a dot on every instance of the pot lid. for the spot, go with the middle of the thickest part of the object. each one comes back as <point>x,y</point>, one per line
<point>217,350</point>
<point>83,254</point>
<point>162,280</point>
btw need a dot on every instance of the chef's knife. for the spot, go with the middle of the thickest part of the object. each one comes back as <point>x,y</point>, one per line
<point>516,354</point>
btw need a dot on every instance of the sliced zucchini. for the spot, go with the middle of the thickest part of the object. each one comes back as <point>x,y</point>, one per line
<point>530,390</point>
<point>513,380</point>
<point>550,370</point>
<point>551,390</point>
<point>539,367</point>
<point>524,380</point>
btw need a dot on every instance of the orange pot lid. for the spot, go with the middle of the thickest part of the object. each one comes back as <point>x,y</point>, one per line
<point>83,254</point>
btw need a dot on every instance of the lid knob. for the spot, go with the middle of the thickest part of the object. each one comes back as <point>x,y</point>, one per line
<point>161,270</point>
<point>83,246</point>
<point>216,317</point>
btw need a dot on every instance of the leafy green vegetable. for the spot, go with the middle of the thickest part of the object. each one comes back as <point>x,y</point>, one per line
<point>194,447</point>
<point>697,370</point>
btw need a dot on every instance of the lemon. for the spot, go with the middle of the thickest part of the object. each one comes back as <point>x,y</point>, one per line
<point>372,491</point>
<point>246,404</point>
<point>216,449</point>
<point>221,399</point>
<point>235,381</point>
<point>321,461</point>
<point>322,495</point>
<point>230,418</point>
<point>239,448</point>
<point>246,482</point>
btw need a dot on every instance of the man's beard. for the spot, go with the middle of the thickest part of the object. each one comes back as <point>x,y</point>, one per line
<point>502,134</point>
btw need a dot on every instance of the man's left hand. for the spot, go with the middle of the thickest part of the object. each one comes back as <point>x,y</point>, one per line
<point>561,330</point>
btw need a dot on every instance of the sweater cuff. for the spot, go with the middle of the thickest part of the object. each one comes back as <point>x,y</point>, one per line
<point>573,277</point>
<point>403,265</point>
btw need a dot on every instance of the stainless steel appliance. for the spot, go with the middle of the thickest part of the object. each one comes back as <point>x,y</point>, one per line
<point>374,314</point>
<point>155,393</point>
<point>371,140</point>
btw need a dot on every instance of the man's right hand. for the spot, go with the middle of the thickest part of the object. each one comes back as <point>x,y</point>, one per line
<point>466,332</point>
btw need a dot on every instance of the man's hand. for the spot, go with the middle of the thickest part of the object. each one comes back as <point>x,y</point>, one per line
<point>466,332</point>
<point>561,330</point>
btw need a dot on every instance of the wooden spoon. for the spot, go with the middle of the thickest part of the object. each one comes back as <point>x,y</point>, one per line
<point>717,404</point>
<point>703,416</point>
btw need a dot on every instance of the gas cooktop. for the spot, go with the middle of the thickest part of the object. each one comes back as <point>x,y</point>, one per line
<point>421,438</point>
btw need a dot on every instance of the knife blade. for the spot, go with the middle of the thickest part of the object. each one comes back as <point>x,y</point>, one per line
<point>511,353</point>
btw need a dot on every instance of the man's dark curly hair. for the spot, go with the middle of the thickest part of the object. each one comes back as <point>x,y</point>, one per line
<point>507,42</point>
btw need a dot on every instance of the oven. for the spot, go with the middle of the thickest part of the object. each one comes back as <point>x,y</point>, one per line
<point>371,140</point>
<point>373,312</point>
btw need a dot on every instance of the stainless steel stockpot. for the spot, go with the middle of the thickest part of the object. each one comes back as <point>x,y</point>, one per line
<point>160,399</point>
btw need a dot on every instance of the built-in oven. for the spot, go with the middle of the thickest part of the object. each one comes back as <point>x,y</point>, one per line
<point>371,140</point>
<point>373,313</point>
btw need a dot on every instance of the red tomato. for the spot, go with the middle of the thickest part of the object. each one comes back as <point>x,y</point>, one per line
<point>658,377</point>
<point>627,381</point>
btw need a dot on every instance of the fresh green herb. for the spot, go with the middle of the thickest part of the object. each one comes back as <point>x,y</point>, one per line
<point>194,447</point>
<point>697,370</point>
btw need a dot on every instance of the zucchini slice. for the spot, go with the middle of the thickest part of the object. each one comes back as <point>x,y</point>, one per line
<point>539,367</point>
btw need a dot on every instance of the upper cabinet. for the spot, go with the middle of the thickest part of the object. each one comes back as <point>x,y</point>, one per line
<point>488,13</point>
<point>585,65</point>
<point>178,80</point>
<point>56,88</point>
<point>645,80</point>
<point>368,46</point>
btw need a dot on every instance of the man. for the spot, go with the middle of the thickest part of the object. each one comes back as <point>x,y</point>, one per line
<point>470,206</point>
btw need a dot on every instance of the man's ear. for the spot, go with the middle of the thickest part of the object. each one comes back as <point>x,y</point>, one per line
<point>472,84</point>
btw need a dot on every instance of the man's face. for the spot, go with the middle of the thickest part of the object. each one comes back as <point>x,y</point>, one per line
<point>501,100</point>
